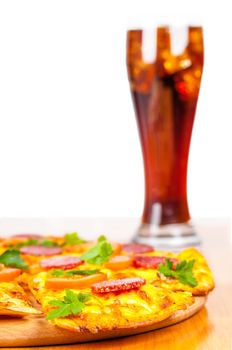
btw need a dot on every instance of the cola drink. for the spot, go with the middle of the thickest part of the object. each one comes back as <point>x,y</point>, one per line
<point>165,93</point>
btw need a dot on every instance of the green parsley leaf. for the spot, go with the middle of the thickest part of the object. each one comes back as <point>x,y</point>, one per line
<point>183,271</point>
<point>12,258</point>
<point>72,304</point>
<point>56,302</point>
<point>70,297</point>
<point>83,297</point>
<point>29,242</point>
<point>63,273</point>
<point>26,243</point>
<point>100,253</point>
<point>58,272</point>
<point>63,311</point>
<point>47,243</point>
<point>72,239</point>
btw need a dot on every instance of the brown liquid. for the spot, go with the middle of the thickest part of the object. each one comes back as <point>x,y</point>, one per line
<point>165,96</point>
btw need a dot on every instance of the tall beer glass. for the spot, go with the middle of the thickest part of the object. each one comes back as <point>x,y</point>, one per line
<point>165,92</point>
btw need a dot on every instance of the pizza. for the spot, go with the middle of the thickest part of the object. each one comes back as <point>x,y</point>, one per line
<point>94,286</point>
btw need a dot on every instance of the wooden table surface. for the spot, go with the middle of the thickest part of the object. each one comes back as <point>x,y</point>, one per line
<point>210,329</point>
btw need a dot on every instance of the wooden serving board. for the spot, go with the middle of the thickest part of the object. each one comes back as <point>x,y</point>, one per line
<point>35,331</point>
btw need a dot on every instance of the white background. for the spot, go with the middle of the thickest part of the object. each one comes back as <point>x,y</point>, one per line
<point>68,139</point>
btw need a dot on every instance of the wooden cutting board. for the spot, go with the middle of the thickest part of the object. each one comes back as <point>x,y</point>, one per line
<point>35,331</point>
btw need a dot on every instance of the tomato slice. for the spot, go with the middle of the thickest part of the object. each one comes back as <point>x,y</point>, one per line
<point>75,282</point>
<point>8,274</point>
<point>119,262</point>
<point>117,248</point>
<point>79,248</point>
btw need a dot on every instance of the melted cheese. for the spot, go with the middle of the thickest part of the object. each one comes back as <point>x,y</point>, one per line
<point>115,310</point>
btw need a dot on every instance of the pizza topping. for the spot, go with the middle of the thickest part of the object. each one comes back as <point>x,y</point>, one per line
<point>8,274</point>
<point>62,262</point>
<point>72,304</point>
<point>74,282</point>
<point>26,243</point>
<point>48,243</point>
<point>30,242</point>
<point>100,253</point>
<point>62,273</point>
<point>28,236</point>
<point>118,285</point>
<point>12,258</point>
<point>137,248</point>
<point>152,262</point>
<point>117,248</point>
<point>183,271</point>
<point>72,239</point>
<point>38,250</point>
<point>119,262</point>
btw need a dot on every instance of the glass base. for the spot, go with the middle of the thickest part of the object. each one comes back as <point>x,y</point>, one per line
<point>168,237</point>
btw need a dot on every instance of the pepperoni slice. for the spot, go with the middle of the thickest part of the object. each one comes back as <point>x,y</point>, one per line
<point>61,262</point>
<point>38,250</point>
<point>27,236</point>
<point>152,262</point>
<point>118,285</point>
<point>137,248</point>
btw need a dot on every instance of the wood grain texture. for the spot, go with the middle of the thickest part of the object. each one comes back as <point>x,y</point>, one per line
<point>209,329</point>
<point>40,332</point>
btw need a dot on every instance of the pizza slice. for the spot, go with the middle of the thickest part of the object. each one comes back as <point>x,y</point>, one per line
<point>104,305</point>
<point>203,277</point>
<point>13,299</point>
<point>184,271</point>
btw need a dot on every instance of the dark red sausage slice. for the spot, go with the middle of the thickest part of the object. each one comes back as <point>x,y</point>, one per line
<point>118,285</point>
<point>38,250</point>
<point>28,236</point>
<point>152,262</point>
<point>137,248</point>
<point>61,262</point>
